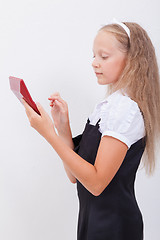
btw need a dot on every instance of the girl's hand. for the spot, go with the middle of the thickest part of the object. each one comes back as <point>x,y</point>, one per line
<point>59,111</point>
<point>41,123</point>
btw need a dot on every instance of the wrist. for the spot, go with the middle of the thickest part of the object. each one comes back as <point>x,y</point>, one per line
<point>65,131</point>
<point>51,137</point>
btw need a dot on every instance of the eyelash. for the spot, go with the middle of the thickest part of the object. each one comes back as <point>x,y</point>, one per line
<point>101,57</point>
<point>104,57</point>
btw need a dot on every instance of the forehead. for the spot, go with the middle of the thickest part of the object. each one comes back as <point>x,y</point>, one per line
<point>105,41</point>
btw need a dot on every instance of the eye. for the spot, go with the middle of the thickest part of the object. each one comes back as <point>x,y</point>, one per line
<point>104,57</point>
<point>93,56</point>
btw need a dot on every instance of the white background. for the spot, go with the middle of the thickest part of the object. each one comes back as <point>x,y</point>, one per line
<point>49,44</point>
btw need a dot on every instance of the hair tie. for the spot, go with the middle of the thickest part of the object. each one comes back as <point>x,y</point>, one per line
<point>121,24</point>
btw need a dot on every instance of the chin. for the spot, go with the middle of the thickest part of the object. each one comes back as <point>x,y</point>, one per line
<point>101,82</point>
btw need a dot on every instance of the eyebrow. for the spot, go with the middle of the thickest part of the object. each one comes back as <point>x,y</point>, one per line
<point>102,50</point>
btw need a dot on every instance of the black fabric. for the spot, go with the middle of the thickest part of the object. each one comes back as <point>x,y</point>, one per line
<point>114,214</point>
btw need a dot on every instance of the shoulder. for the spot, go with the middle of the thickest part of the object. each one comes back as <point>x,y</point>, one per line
<point>120,106</point>
<point>121,118</point>
<point>118,99</point>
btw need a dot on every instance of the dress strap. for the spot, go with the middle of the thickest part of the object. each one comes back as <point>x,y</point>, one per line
<point>97,124</point>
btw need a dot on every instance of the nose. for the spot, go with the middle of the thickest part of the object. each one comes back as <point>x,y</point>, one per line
<point>95,64</point>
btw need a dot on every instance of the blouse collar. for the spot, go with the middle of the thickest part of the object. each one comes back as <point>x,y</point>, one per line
<point>111,96</point>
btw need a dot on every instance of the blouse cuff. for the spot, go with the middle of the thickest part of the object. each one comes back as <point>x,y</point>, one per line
<point>119,136</point>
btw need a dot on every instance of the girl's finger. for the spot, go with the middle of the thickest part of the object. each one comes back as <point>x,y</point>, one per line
<point>28,109</point>
<point>26,105</point>
<point>59,104</point>
<point>56,102</point>
<point>56,94</point>
<point>53,98</point>
<point>56,97</point>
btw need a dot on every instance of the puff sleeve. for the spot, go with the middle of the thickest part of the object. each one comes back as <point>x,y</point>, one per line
<point>123,120</point>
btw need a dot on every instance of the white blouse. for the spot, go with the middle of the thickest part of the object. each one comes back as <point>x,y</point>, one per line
<point>121,118</point>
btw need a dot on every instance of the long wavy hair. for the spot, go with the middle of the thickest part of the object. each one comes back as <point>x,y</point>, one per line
<point>140,80</point>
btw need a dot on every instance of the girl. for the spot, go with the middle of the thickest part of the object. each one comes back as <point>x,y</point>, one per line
<point>104,159</point>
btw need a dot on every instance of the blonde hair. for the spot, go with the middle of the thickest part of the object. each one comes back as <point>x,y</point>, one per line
<point>140,79</point>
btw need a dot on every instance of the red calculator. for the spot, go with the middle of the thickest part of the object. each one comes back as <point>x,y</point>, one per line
<point>19,88</point>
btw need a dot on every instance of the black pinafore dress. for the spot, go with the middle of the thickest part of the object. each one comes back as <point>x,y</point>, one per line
<point>114,214</point>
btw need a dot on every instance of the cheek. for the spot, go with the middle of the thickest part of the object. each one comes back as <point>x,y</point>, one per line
<point>114,67</point>
<point>109,68</point>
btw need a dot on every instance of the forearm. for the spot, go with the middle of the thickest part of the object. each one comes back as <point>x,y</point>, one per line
<point>82,170</point>
<point>67,138</point>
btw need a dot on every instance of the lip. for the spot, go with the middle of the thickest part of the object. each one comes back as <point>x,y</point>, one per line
<point>98,73</point>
